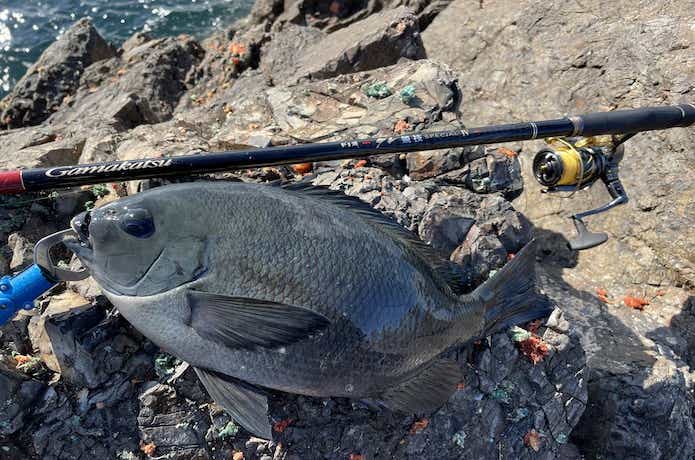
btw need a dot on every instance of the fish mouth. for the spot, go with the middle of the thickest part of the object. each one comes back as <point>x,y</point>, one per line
<point>80,244</point>
<point>80,224</point>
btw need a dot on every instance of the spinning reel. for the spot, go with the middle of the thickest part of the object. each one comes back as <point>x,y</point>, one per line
<point>569,165</point>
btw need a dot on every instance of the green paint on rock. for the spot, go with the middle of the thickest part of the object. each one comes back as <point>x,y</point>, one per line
<point>407,94</point>
<point>378,90</point>
<point>229,431</point>
<point>459,439</point>
<point>518,334</point>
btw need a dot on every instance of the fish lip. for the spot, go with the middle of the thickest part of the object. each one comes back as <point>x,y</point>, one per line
<point>77,226</point>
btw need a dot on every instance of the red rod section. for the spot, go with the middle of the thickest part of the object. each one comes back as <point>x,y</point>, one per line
<point>11,182</point>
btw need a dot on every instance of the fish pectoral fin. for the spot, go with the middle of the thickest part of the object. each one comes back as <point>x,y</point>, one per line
<point>247,404</point>
<point>426,391</point>
<point>240,322</point>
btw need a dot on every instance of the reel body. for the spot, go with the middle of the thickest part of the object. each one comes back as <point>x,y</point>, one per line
<point>569,165</point>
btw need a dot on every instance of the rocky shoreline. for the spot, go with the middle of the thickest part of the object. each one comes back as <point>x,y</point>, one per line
<point>596,380</point>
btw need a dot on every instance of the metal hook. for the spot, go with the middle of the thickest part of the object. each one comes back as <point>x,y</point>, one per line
<point>42,257</point>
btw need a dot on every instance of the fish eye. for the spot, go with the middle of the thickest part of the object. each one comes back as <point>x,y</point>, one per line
<point>138,223</point>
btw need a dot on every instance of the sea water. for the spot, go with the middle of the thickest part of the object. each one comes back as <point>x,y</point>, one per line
<point>28,27</point>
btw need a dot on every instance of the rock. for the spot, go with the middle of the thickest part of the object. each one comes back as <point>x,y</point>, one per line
<point>54,76</point>
<point>176,427</point>
<point>135,40</point>
<point>423,165</point>
<point>56,335</point>
<point>173,96</point>
<point>337,14</point>
<point>37,147</point>
<point>382,39</point>
<point>636,384</point>
<point>495,173</point>
<point>509,395</point>
<point>17,396</point>
<point>141,86</point>
<point>626,74</point>
<point>280,56</point>
<point>22,252</point>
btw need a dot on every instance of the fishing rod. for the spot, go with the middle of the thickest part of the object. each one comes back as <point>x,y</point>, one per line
<point>576,158</point>
<point>593,124</point>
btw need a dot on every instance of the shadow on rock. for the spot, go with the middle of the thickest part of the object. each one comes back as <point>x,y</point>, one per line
<point>639,400</point>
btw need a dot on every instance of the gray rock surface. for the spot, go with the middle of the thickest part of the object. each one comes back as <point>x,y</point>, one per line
<point>54,76</point>
<point>332,15</point>
<point>378,41</point>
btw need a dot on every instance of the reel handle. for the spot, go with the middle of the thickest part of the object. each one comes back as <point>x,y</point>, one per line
<point>585,239</point>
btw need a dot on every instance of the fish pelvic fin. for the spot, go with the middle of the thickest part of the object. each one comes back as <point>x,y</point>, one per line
<point>510,297</point>
<point>427,390</point>
<point>247,404</point>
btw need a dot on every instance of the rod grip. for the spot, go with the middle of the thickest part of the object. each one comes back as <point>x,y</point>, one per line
<point>636,120</point>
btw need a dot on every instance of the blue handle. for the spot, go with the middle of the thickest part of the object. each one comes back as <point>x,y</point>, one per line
<point>20,291</point>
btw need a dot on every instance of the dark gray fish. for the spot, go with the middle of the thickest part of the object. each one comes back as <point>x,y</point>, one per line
<point>298,289</point>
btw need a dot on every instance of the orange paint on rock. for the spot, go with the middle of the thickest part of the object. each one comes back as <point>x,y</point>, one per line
<point>302,168</point>
<point>534,349</point>
<point>401,126</point>
<point>282,425</point>
<point>419,425</point>
<point>237,48</point>
<point>532,439</point>
<point>148,449</point>
<point>507,152</point>
<point>638,303</point>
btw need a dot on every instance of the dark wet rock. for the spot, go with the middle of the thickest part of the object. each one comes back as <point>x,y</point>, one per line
<point>495,172</point>
<point>54,76</point>
<point>17,397</point>
<point>176,427</point>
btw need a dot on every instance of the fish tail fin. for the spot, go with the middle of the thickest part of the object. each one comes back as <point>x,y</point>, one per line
<point>510,296</point>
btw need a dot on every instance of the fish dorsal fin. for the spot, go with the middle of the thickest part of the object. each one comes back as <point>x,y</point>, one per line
<point>454,276</point>
<point>247,404</point>
<point>426,391</point>
<point>240,322</point>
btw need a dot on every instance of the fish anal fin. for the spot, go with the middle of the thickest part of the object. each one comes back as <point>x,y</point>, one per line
<point>240,322</point>
<point>247,404</point>
<point>426,391</point>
